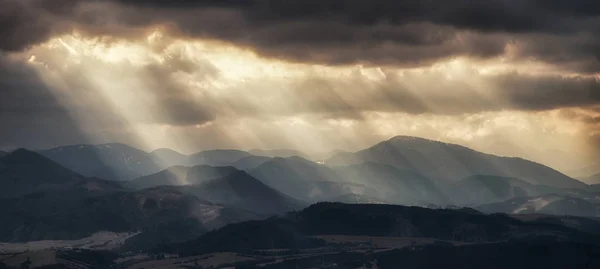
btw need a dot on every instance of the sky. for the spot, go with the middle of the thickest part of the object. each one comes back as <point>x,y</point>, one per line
<point>508,77</point>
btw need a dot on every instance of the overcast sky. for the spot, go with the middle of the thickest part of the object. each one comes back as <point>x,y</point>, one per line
<point>511,77</point>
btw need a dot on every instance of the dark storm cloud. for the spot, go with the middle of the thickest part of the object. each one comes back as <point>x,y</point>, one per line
<point>433,93</point>
<point>35,115</point>
<point>547,92</point>
<point>29,114</point>
<point>491,15</point>
<point>388,32</point>
<point>177,106</point>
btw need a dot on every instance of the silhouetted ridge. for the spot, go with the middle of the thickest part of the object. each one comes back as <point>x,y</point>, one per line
<point>241,190</point>
<point>181,175</point>
<point>29,161</point>
<point>250,162</point>
<point>113,161</point>
<point>70,214</point>
<point>296,228</point>
<point>220,157</point>
<point>438,160</point>
<point>23,171</point>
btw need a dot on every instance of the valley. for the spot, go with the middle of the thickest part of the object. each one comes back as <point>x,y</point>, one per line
<point>225,208</point>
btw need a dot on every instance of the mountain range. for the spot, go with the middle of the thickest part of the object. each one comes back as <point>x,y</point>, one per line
<point>438,160</point>
<point>43,200</point>
<point>43,193</point>
<point>298,229</point>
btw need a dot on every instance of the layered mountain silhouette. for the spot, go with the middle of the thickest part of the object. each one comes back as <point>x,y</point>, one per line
<point>250,162</point>
<point>121,162</point>
<point>281,153</point>
<point>24,172</point>
<point>108,161</point>
<point>43,200</point>
<point>43,193</point>
<point>481,189</point>
<point>593,179</point>
<point>452,162</point>
<point>169,157</point>
<point>241,190</point>
<point>306,180</point>
<point>3,153</point>
<point>181,175</point>
<point>222,185</point>
<point>394,185</point>
<point>217,157</point>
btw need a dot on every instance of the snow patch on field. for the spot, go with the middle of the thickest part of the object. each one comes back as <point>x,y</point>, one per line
<point>99,241</point>
<point>536,204</point>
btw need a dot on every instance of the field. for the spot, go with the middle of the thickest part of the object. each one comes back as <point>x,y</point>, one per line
<point>97,241</point>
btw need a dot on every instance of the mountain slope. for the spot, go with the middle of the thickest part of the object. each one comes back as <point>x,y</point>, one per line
<point>393,184</point>
<point>217,157</point>
<point>593,179</point>
<point>23,172</point>
<point>3,153</point>
<point>241,190</point>
<point>181,175</point>
<point>453,162</point>
<point>250,162</point>
<point>109,161</point>
<point>553,204</point>
<point>168,157</point>
<point>481,189</point>
<point>305,180</point>
<point>70,214</point>
<point>281,153</point>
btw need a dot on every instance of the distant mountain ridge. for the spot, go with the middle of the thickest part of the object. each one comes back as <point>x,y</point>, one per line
<point>296,229</point>
<point>181,175</point>
<point>438,160</point>
<point>24,172</point>
<point>121,162</point>
<point>305,180</point>
<point>434,160</point>
<point>241,190</point>
<point>108,161</point>
<point>224,185</point>
<point>41,200</point>
<point>281,153</point>
<point>402,170</point>
<point>593,179</point>
<point>482,189</point>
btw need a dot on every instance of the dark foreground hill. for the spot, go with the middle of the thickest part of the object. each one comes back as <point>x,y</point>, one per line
<point>221,185</point>
<point>296,230</point>
<point>72,214</point>
<point>547,254</point>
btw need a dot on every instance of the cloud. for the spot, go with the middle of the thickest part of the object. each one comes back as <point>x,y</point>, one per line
<point>435,92</point>
<point>30,115</point>
<point>381,32</point>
